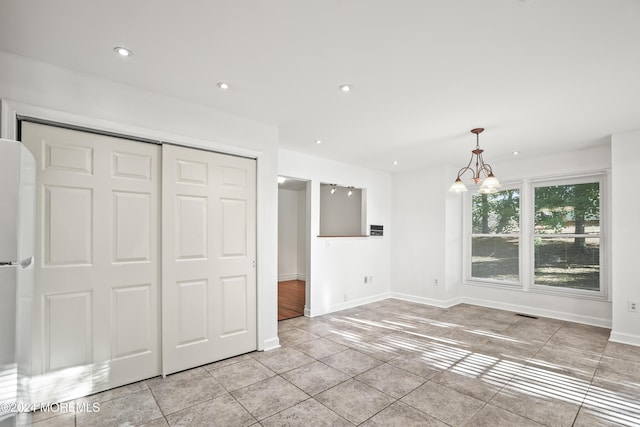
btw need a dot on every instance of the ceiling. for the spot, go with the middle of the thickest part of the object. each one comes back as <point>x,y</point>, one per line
<point>539,75</point>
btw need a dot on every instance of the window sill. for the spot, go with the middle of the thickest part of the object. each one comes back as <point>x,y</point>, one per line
<point>567,293</point>
<point>351,235</point>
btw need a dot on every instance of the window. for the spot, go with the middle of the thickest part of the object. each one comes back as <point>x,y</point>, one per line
<point>542,235</point>
<point>495,238</point>
<point>567,236</point>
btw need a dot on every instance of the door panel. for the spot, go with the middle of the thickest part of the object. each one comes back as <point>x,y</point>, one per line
<point>132,315</point>
<point>68,225</point>
<point>97,261</point>
<point>209,280</point>
<point>68,332</point>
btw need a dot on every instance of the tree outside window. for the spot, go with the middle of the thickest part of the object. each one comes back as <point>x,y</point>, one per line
<point>561,237</point>
<point>567,236</point>
<point>495,236</point>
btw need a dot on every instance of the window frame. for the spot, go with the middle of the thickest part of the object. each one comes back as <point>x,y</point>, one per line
<point>469,235</point>
<point>602,293</point>
<point>526,251</point>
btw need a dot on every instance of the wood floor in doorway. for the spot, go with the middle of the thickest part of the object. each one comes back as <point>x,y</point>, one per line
<point>290,299</point>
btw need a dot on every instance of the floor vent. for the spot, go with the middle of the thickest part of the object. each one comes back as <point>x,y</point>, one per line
<point>526,315</point>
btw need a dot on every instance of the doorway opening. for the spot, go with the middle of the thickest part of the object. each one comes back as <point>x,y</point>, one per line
<point>293,244</point>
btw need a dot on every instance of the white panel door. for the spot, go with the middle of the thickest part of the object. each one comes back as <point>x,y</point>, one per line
<point>208,250</point>
<point>96,320</point>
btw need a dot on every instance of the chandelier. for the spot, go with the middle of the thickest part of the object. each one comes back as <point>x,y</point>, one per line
<point>479,170</point>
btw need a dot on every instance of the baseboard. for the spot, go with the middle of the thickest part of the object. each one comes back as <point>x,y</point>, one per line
<point>294,276</point>
<point>271,344</point>
<point>623,338</point>
<point>427,301</point>
<point>560,315</point>
<point>347,304</point>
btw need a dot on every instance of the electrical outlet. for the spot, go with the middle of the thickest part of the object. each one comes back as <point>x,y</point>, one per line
<point>345,297</point>
<point>633,306</point>
<point>370,279</point>
<point>435,281</point>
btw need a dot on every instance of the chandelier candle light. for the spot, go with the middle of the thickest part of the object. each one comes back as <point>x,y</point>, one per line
<point>480,169</point>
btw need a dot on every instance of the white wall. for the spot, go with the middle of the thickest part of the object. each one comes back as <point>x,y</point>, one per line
<point>427,243</point>
<point>46,91</point>
<point>301,268</point>
<point>418,222</point>
<point>287,235</point>
<point>338,265</point>
<point>626,235</point>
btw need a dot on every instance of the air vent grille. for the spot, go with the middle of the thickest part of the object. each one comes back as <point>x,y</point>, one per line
<point>526,315</point>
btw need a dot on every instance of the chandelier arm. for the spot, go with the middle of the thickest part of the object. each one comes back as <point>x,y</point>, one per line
<point>486,168</point>
<point>464,170</point>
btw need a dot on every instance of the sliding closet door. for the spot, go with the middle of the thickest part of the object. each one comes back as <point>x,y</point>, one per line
<point>208,265</point>
<point>96,315</point>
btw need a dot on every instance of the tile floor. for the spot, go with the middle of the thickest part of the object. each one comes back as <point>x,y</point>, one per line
<point>395,363</point>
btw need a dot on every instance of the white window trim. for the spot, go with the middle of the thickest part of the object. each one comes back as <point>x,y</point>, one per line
<point>467,246</point>
<point>577,293</point>
<point>526,238</point>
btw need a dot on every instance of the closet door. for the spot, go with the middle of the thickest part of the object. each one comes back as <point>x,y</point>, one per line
<point>209,250</point>
<point>96,303</point>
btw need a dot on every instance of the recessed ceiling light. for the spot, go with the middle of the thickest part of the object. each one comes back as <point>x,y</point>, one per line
<point>515,153</point>
<point>281,179</point>
<point>318,141</point>
<point>122,51</point>
<point>223,85</point>
<point>345,88</point>
<point>395,163</point>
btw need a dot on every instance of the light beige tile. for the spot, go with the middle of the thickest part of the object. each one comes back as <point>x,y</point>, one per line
<point>227,362</point>
<point>354,400</point>
<point>548,400</point>
<point>307,413</point>
<point>320,348</point>
<point>222,411</point>
<point>283,359</point>
<point>351,362</point>
<point>242,374</point>
<point>559,360</point>
<point>425,365</point>
<point>52,411</point>
<point>315,377</point>
<point>385,348</point>
<point>628,368</point>
<point>66,420</point>
<point>612,398</point>
<point>136,408</point>
<point>492,416</point>
<point>294,336</point>
<point>178,393</point>
<point>605,417</point>
<point>443,403</point>
<point>622,351</point>
<point>402,415</point>
<point>269,397</point>
<point>393,381</point>
<point>483,386</point>
<point>160,422</point>
<point>590,339</point>
<point>114,393</point>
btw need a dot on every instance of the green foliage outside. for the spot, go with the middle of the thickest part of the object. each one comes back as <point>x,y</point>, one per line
<point>571,262</point>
